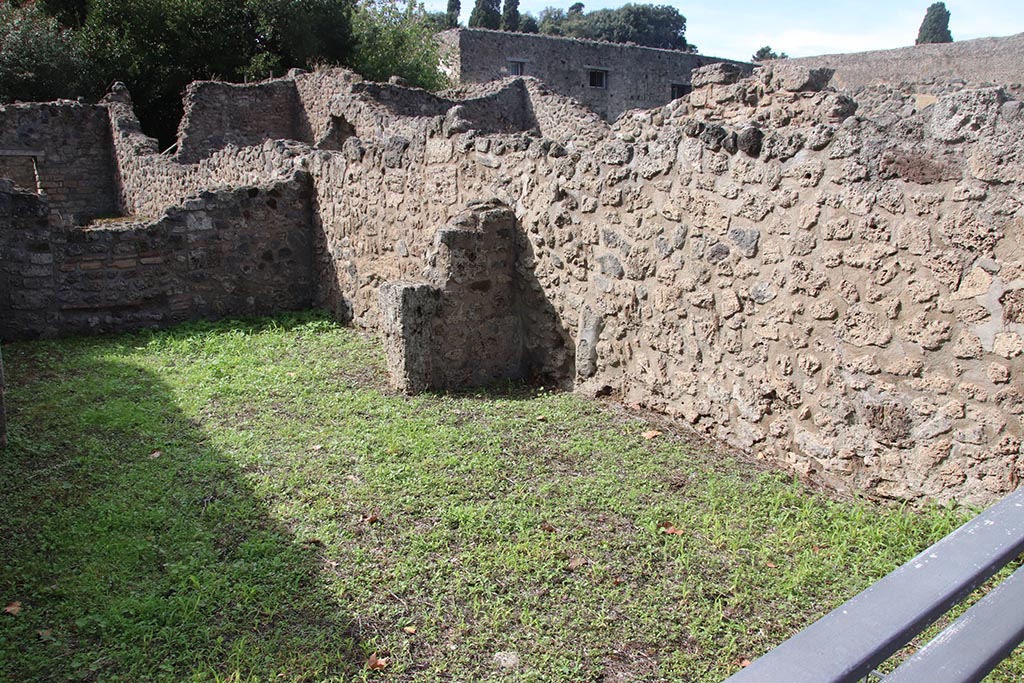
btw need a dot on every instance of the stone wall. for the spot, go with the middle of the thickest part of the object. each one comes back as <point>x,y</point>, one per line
<point>246,250</point>
<point>67,147</point>
<point>219,114</point>
<point>984,61</point>
<point>839,294</point>
<point>636,77</point>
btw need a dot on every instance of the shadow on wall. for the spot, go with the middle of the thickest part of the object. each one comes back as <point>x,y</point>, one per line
<point>138,550</point>
<point>482,316</point>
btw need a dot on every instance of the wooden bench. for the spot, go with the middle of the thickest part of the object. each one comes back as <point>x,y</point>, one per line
<point>848,643</point>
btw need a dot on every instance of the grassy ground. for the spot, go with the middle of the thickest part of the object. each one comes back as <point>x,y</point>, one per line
<point>247,502</point>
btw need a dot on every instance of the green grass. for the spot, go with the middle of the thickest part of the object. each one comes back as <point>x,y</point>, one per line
<point>246,501</point>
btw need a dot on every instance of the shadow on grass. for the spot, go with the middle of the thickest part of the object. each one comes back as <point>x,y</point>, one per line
<point>132,550</point>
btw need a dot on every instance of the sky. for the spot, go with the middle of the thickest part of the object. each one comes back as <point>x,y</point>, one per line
<point>735,29</point>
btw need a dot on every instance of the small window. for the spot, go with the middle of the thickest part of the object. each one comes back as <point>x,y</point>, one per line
<point>516,68</point>
<point>598,78</point>
<point>680,90</point>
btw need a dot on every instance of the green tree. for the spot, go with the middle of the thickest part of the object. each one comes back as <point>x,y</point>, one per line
<point>485,14</point>
<point>935,27</point>
<point>576,8</point>
<point>454,7</point>
<point>551,21</point>
<point>396,38</point>
<point>69,13</point>
<point>765,53</point>
<point>528,24</point>
<point>650,25</point>
<point>510,16</point>
<point>159,46</point>
<point>39,59</point>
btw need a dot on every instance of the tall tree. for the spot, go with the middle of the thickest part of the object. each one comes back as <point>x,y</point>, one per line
<point>485,14</point>
<point>935,27</point>
<point>454,7</point>
<point>528,24</point>
<point>39,59</point>
<point>765,53</point>
<point>510,16</point>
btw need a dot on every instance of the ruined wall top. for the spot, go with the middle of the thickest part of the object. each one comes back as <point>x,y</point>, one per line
<point>984,61</point>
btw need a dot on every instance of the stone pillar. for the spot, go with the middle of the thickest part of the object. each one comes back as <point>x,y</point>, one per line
<point>463,329</point>
<point>407,321</point>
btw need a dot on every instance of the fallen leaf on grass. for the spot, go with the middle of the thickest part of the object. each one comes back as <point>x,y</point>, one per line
<point>542,418</point>
<point>651,434</point>
<point>576,563</point>
<point>618,581</point>
<point>155,454</point>
<point>547,526</point>
<point>771,564</point>
<point>742,663</point>
<point>13,608</point>
<point>371,518</point>
<point>669,528</point>
<point>46,634</point>
<point>316,447</point>
<point>375,663</point>
<point>411,630</point>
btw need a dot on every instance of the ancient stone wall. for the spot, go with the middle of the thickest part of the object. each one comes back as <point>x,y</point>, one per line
<point>984,61</point>
<point>219,114</point>
<point>246,250</point>
<point>64,150</point>
<point>635,77</point>
<point>788,277</point>
<point>833,292</point>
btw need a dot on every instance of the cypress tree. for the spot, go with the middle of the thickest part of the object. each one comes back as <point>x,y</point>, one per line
<point>935,27</point>
<point>452,15</point>
<point>510,16</point>
<point>486,14</point>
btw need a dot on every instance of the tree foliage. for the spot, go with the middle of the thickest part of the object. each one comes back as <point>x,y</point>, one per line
<point>650,25</point>
<point>765,53</point>
<point>39,59</point>
<point>935,26</point>
<point>528,24</point>
<point>485,14</point>
<point>510,16</point>
<point>396,38</point>
<point>454,8</point>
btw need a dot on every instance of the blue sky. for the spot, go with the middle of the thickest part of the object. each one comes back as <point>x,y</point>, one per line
<point>736,28</point>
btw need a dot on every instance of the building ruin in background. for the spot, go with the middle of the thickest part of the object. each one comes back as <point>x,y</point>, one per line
<point>608,78</point>
<point>834,285</point>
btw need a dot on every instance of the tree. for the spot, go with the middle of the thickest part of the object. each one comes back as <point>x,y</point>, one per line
<point>765,53</point>
<point>576,8</point>
<point>551,21</point>
<point>650,25</point>
<point>528,24</point>
<point>510,16</point>
<point>454,7</point>
<point>485,14</point>
<point>159,46</point>
<point>39,59</point>
<point>395,38</point>
<point>935,27</point>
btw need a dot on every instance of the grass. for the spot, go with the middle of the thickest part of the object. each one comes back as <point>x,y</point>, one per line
<point>246,501</point>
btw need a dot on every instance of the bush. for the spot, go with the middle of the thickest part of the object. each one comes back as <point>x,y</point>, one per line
<point>39,60</point>
<point>396,39</point>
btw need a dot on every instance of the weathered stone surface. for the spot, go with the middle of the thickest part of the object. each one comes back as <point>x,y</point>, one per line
<point>716,74</point>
